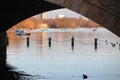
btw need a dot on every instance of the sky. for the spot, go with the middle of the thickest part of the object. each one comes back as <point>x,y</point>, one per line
<point>66,12</point>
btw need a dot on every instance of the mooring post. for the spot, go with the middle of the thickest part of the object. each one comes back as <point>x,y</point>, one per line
<point>28,41</point>
<point>3,49</point>
<point>49,41</point>
<point>72,42</point>
<point>96,43</point>
<point>119,46</point>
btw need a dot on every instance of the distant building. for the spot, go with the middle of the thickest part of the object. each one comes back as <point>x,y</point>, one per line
<point>43,16</point>
<point>60,16</point>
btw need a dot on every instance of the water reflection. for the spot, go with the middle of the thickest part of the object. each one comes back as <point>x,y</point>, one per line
<point>60,62</point>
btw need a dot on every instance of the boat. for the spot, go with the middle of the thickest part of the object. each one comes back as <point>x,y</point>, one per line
<point>21,32</point>
<point>24,34</point>
<point>95,29</point>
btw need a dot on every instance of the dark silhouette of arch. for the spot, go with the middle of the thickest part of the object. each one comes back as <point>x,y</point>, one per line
<point>13,11</point>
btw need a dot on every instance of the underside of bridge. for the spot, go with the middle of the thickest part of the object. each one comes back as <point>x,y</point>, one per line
<point>103,12</point>
<point>14,11</point>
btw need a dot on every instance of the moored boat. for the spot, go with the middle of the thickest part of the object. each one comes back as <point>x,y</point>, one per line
<point>21,32</point>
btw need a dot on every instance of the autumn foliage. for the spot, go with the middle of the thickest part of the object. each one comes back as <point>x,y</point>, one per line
<point>71,23</point>
<point>33,23</point>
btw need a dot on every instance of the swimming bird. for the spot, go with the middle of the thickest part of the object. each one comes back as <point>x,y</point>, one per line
<point>85,76</point>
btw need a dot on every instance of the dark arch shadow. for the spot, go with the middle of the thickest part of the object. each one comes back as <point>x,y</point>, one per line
<point>8,72</point>
<point>13,12</point>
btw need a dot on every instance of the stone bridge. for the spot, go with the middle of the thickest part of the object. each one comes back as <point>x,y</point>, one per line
<point>103,12</point>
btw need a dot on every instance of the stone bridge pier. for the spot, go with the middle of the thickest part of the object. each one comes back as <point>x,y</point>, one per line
<point>3,49</point>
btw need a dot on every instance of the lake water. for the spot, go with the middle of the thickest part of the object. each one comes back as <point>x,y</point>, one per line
<point>61,61</point>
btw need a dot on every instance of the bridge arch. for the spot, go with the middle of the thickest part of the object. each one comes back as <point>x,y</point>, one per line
<point>103,12</point>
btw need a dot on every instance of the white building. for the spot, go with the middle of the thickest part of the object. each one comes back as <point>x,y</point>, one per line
<point>60,16</point>
<point>43,16</point>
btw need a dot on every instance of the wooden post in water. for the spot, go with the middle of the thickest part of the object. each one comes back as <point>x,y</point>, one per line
<point>119,46</point>
<point>28,41</point>
<point>49,42</point>
<point>95,43</point>
<point>72,42</point>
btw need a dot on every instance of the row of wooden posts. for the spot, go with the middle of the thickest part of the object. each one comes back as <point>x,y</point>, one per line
<point>72,42</point>
<point>50,42</point>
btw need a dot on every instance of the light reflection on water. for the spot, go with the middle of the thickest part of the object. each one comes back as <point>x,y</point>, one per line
<point>60,62</point>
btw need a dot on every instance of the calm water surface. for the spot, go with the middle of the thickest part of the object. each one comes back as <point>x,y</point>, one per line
<point>60,61</point>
